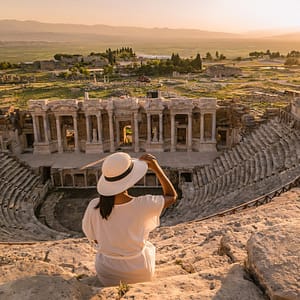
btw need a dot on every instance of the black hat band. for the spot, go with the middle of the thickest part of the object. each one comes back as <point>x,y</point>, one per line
<point>121,176</point>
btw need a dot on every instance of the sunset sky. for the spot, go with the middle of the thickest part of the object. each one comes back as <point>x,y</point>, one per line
<point>216,15</point>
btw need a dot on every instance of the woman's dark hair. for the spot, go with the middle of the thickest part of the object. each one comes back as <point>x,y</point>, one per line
<point>105,204</point>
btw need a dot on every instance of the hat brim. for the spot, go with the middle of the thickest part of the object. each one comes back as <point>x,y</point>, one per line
<point>110,188</point>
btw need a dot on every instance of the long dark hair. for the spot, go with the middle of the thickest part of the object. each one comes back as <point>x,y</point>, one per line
<point>105,204</point>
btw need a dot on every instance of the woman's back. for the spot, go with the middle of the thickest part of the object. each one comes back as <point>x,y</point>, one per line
<point>122,239</point>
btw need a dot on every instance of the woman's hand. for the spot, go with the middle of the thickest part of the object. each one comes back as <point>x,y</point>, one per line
<point>150,160</point>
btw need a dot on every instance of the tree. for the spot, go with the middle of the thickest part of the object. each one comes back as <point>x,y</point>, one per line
<point>110,56</point>
<point>293,53</point>
<point>208,56</point>
<point>291,61</point>
<point>5,65</point>
<point>222,57</point>
<point>197,62</point>
<point>217,54</point>
<point>175,58</point>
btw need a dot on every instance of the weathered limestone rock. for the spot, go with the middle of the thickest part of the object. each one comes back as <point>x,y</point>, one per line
<point>274,260</point>
<point>232,247</point>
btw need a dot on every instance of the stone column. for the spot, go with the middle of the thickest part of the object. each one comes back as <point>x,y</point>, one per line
<point>99,124</point>
<point>75,133</point>
<point>35,133</point>
<point>59,141</point>
<point>88,128</point>
<point>201,127</point>
<point>190,133</point>
<point>111,131</point>
<point>213,129</point>
<point>173,147</point>
<point>46,128</point>
<point>38,131</point>
<point>117,126</point>
<point>136,133</point>
<point>61,177</point>
<point>161,128</point>
<point>73,179</point>
<point>85,178</point>
<point>148,128</point>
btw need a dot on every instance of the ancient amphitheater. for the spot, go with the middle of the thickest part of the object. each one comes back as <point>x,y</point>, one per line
<point>234,234</point>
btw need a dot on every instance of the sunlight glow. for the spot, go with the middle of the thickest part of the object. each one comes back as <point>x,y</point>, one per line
<point>217,15</point>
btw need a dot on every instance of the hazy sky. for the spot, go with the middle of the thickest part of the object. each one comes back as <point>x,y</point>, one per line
<point>218,15</point>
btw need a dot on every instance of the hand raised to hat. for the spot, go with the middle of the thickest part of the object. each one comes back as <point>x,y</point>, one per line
<point>169,191</point>
<point>150,160</point>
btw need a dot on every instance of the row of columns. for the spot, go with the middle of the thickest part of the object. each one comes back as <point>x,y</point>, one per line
<point>37,134</point>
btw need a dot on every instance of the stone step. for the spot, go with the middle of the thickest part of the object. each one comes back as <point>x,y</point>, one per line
<point>199,177</point>
<point>228,160</point>
<point>233,158</point>
<point>263,160</point>
<point>241,152</point>
<point>237,156</point>
<point>265,134</point>
<point>207,173</point>
<point>8,168</point>
<point>263,142</point>
<point>5,162</point>
<point>255,142</point>
<point>32,181</point>
<point>269,162</point>
<point>285,146</point>
<point>224,163</point>
<point>220,166</point>
<point>252,170</point>
<point>17,179</point>
<point>214,175</point>
<point>280,156</point>
<point>203,176</point>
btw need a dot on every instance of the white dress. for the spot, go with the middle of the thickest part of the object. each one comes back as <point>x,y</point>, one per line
<point>124,254</point>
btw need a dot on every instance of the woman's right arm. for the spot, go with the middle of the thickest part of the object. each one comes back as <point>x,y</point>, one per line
<point>169,191</point>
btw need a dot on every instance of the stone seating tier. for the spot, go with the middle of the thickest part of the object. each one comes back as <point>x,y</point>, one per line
<point>17,202</point>
<point>265,159</point>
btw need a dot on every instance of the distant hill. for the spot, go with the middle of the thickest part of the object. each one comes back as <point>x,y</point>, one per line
<point>31,40</point>
<point>13,30</point>
<point>295,36</point>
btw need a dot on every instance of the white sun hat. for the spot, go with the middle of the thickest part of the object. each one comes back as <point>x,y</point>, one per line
<point>119,173</point>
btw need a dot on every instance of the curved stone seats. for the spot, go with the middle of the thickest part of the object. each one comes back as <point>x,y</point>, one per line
<point>8,168</point>
<point>257,162</point>
<point>17,202</point>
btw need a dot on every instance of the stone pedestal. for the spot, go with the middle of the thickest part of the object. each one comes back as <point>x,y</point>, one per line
<point>45,147</point>
<point>93,148</point>
<point>155,147</point>
<point>207,146</point>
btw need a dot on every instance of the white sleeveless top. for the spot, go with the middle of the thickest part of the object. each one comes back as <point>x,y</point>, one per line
<point>124,254</point>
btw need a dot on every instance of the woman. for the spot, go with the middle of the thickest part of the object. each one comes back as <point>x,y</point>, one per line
<point>120,224</point>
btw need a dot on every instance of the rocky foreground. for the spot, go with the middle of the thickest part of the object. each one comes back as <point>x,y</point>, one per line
<point>251,255</point>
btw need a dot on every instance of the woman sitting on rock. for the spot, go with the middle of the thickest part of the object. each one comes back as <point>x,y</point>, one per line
<point>120,224</point>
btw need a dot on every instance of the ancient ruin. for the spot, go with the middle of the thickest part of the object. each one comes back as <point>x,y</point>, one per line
<point>221,160</point>
<point>130,124</point>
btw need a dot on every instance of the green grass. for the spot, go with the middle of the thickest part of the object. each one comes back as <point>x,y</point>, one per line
<point>255,78</point>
